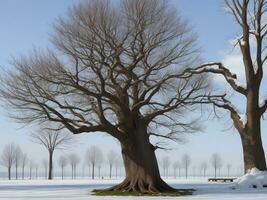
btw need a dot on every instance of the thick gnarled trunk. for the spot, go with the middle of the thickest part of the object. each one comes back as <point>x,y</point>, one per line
<point>141,168</point>
<point>250,133</point>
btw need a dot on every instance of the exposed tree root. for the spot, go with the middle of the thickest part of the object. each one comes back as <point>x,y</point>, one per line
<point>140,187</point>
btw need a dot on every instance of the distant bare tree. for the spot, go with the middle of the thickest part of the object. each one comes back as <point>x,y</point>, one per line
<point>31,166</point>
<point>186,161</point>
<point>100,160</point>
<point>52,140</point>
<point>45,165</point>
<point>228,169</point>
<point>36,170</point>
<point>17,159</point>
<point>8,157</point>
<point>62,161</point>
<point>24,162</point>
<point>216,162</point>
<point>111,160</point>
<point>118,163</point>
<point>204,167</point>
<point>166,164</point>
<point>115,61</point>
<point>176,165</point>
<point>74,161</point>
<point>93,155</point>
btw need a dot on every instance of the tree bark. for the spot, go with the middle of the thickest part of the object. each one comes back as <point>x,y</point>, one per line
<point>23,172</point>
<point>253,152</point>
<point>93,170</point>
<point>141,167</point>
<point>50,167</point>
<point>9,173</point>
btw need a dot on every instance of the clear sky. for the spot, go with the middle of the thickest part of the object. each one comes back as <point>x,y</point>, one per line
<point>26,24</point>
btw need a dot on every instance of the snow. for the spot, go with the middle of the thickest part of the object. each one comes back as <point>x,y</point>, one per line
<point>253,179</point>
<point>262,101</point>
<point>80,190</point>
<point>243,119</point>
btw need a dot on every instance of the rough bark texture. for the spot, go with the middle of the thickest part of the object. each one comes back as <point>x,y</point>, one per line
<point>50,169</point>
<point>141,167</point>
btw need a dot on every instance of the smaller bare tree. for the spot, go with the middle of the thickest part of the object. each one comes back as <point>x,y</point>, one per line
<point>24,162</point>
<point>17,159</point>
<point>216,163</point>
<point>93,155</point>
<point>62,161</point>
<point>36,170</point>
<point>8,157</point>
<point>166,164</point>
<point>45,165</point>
<point>228,169</point>
<point>176,165</point>
<point>186,161</point>
<point>74,161</point>
<point>204,167</point>
<point>31,166</point>
<point>52,140</point>
<point>111,160</point>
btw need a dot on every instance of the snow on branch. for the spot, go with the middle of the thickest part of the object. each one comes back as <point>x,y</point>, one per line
<point>217,68</point>
<point>263,104</point>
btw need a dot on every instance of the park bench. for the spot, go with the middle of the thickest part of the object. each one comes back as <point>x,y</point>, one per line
<point>221,179</point>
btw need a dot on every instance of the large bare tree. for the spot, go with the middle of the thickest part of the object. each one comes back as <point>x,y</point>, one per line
<point>52,140</point>
<point>251,18</point>
<point>116,70</point>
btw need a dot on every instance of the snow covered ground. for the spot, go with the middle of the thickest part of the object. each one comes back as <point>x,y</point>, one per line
<point>80,190</point>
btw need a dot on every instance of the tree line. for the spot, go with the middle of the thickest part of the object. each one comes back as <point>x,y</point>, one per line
<point>13,158</point>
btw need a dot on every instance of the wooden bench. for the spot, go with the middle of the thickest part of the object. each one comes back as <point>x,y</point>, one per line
<point>221,179</point>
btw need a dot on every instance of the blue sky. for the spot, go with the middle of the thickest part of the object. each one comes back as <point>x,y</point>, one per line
<point>26,24</point>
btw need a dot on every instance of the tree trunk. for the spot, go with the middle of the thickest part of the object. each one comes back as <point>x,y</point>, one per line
<point>62,172</point>
<point>22,172</point>
<point>16,172</point>
<point>99,168</point>
<point>110,170</point>
<point>50,165</point>
<point>30,173</point>
<point>253,151</point>
<point>93,170</point>
<point>9,173</point>
<point>141,167</point>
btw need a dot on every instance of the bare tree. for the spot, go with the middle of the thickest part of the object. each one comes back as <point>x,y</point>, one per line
<point>249,16</point>
<point>166,164</point>
<point>45,165</point>
<point>176,165</point>
<point>31,166</point>
<point>111,160</point>
<point>118,163</point>
<point>74,161</point>
<point>204,167</point>
<point>117,60</point>
<point>36,170</point>
<point>93,155</point>
<point>8,157</point>
<point>62,161</point>
<point>216,163</point>
<point>100,160</point>
<point>52,140</point>
<point>17,159</point>
<point>186,161</point>
<point>24,162</point>
<point>228,169</point>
